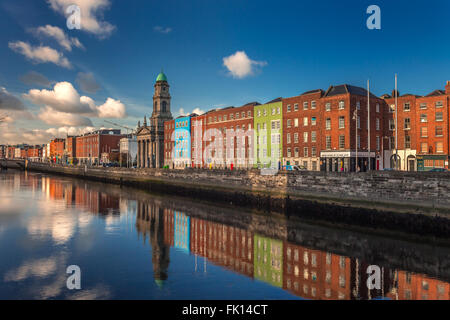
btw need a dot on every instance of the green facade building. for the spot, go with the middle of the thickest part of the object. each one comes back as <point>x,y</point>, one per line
<point>268,260</point>
<point>268,137</point>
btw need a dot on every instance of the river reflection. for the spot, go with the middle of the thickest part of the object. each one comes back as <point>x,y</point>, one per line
<point>129,245</point>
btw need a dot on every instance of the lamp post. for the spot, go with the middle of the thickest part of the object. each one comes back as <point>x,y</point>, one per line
<point>355,117</point>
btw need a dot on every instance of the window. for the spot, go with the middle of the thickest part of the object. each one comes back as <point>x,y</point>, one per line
<point>328,106</point>
<point>392,108</point>
<point>439,104</point>
<point>288,123</point>
<point>305,151</point>
<point>328,123</point>
<point>305,121</point>
<point>313,152</point>
<point>305,137</point>
<point>341,142</point>
<point>296,122</point>
<point>296,152</point>
<point>407,123</point>
<point>305,105</point>
<point>424,132</point>
<point>289,152</point>
<point>296,137</point>
<point>273,111</point>
<point>423,118</point>
<point>423,105</point>
<point>378,142</point>
<point>424,147</point>
<point>232,116</point>
<point>358,105</point>
<point>341,104</point>
<point>407,142</point>
<point>296,107</point>
<point>341,122</point>
<point>391,125</point>
<point>249,114</point>
<point>358,122</point>
<point>439,132</point>
<point>313,136</point>
<point>439,147</point>
<point>377,107</point>
<point>288,108</point>
<point>278,110</point>
<point>377,124</point>
<point>313,105</point>
<point>328,142</point>
<point>288,138</point>
<point>265,112</point>
<point>313,121</point>
<point>439,116</point>
<point>406,106</point>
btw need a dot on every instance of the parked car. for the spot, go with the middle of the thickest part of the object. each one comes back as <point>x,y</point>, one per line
<point>291,167</point>
<point>438,170</point>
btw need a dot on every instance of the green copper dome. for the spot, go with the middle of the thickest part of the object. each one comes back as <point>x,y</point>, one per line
<point>161,77</point>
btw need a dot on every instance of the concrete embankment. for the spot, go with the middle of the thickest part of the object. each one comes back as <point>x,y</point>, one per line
<point>417,203</point>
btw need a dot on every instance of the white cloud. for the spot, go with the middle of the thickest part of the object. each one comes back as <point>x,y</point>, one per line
<point>53,117</point>
<point>198,111</point>
<point>59,35</point>
<point>162,29</point>
<point>111,109</point>
<point>91,15</point>
<point>240,65</point>
<point>180,112</point>
<point>64,98</point>
<point>13,135</point>
<point>41,54</point>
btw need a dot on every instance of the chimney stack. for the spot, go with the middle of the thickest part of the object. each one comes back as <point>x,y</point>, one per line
<point>447,88</point>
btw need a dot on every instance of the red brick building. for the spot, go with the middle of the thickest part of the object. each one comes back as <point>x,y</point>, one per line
<point>57,147</point>
<point>229,136</point>
<point>345,125</point>
<point>198,129</point>
<point>34,153</point>
<point>71,148</point>
<point>90,146</point>
<point>302,129</point>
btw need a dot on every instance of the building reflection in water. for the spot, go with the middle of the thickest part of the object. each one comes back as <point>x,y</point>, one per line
<point>151,221</point>
<point>303,271</point>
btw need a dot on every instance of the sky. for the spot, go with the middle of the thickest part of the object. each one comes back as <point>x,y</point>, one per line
<point>56,81</point>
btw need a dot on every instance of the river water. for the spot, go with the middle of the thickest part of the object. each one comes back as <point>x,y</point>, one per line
<point>129,244</point>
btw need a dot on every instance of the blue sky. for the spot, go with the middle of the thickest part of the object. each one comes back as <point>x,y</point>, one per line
<point>290,47</point>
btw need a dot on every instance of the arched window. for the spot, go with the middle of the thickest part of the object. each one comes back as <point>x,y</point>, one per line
<point>164,106</point>
<point>156,106</point>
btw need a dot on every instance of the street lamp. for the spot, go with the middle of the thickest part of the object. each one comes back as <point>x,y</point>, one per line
<point>355,117</point>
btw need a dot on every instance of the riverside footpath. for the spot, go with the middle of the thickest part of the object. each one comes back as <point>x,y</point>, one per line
<point>413,202</point>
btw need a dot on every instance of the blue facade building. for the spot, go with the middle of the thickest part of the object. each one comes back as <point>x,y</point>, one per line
<point>182,144</point>
<point>182,231</point>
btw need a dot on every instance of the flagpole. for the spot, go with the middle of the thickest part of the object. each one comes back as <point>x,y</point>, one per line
<point>396,124</point>
<point>368,124</point>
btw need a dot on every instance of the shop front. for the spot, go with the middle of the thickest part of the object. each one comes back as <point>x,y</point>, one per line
<point>346,161</point>
<point>431,161</point>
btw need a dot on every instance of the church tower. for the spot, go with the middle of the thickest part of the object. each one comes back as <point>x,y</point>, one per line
<point>151,138</point>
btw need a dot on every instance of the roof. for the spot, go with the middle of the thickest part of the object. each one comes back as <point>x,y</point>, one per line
<point>312,91</point>
<point>346,88</point>
<point>436,93</point>
<point>274,100</point>
<point>161,77</point>
<point>254,103</point>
